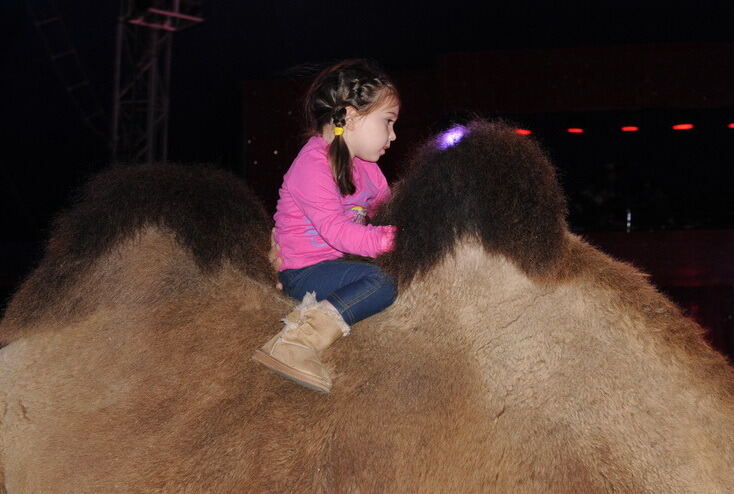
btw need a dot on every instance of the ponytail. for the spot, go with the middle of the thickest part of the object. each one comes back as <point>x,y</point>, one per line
<point>339,156</point>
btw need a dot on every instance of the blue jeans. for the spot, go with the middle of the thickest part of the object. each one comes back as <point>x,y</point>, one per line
<point>356,289</point>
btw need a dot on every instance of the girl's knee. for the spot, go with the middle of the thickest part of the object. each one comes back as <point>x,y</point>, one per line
<point>388,288</point>
<point>384,289</point>
<point>392,287</point>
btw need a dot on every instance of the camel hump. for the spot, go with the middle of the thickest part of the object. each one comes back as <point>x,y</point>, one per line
<point>480,180</point>
<point>209,212</point>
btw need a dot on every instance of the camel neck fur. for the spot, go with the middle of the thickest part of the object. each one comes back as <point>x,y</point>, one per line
<point>467,281</point>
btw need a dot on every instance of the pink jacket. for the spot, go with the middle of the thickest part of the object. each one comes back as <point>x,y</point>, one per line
<point>314,223</point>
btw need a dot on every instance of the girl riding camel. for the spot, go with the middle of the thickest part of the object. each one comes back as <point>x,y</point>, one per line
<point>328,194</point>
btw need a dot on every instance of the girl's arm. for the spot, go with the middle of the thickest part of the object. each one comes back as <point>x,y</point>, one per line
<point>382,197</point>
<point>316,194</point>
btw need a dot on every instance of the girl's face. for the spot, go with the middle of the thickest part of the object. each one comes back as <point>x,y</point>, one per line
<point>368,136</point>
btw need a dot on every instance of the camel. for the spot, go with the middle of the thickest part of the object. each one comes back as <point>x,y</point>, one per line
<point>517,357</point>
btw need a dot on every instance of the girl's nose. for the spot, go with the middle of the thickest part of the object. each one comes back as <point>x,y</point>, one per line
<point>392,135</point>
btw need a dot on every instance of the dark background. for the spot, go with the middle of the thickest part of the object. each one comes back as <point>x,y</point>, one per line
<point>237,79</point>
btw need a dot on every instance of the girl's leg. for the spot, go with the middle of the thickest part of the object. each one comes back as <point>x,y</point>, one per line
<point>295,352</point>
<point>356,289</point>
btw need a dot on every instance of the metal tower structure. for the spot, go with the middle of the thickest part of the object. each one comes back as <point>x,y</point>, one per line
<point>142,76</point>
<point>67,63</point>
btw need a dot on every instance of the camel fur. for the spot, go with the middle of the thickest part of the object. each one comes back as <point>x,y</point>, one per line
<point>517,357</point>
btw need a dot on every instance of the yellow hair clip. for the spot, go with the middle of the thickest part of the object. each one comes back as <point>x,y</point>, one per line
<point>338,131</point>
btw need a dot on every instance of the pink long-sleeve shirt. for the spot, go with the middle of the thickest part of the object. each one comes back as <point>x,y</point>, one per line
<point>314,222</point>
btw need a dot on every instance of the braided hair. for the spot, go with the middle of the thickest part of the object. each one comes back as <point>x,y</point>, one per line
<point>355,83</point>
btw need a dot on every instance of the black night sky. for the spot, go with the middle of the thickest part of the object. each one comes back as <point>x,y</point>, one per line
<point>48,151</point>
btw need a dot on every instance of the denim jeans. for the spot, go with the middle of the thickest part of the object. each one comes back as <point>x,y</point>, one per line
<point>356,289</point>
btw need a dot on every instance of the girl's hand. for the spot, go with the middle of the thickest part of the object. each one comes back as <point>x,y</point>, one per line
<point>274,257</point>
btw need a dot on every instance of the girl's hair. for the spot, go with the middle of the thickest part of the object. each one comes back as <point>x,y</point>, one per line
<point>355,83</point>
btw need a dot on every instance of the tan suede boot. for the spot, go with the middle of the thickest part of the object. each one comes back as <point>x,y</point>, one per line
<point>295,352</point>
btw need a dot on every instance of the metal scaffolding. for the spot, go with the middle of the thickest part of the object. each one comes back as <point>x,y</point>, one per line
<point>142,76</point>
<point>67,63</point>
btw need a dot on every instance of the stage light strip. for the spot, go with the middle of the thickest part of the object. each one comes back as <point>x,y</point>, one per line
<point>625,128</point>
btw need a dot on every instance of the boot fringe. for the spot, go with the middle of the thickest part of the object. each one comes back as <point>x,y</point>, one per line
<point>309,300</point>
<point>329,309</point>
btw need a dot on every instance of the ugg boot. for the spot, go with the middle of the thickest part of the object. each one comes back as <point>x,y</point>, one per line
<point>295,352</point>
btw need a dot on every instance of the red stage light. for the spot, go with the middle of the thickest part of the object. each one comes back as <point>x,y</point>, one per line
<point>523,132</point>
<point>731,125</point>
<point>630,128</point>
<point>684,126</point>
<point>575,130</point>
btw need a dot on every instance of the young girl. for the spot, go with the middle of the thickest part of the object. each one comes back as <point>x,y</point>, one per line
<point>330,190</point>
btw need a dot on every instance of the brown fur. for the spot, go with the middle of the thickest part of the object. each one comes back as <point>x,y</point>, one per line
<point>480,378</point>
<point>210,212</point>
<point>494,185</point>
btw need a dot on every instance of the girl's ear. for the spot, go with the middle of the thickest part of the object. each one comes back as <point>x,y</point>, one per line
<point>352,115</point>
